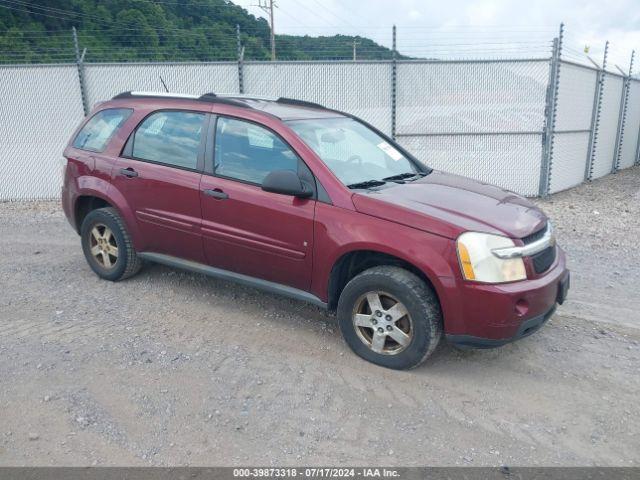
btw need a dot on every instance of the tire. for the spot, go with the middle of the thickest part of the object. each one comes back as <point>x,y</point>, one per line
<point>422,321</point>
<point>118,267</point>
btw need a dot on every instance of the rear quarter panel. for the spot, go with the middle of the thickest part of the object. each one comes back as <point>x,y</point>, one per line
<point>92,178</point>
<point>89,173</point>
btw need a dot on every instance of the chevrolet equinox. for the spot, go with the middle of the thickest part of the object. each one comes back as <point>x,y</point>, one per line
<point>312,203</point>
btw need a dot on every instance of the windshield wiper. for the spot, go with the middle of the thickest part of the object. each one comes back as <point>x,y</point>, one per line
<point>367,184</point>
<point>403,176</point>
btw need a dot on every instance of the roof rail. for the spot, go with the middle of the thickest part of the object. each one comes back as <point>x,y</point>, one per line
<point>234,100</point>
<point>242,96</point>
<point>154,94</point>
<point>300,103</point>
<point>213,98</point>
<point>207,97</point>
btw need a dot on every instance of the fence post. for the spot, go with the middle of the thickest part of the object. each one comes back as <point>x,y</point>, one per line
<point>394,74</point>
<point>550,115</point>
<point>595,115</point>
<point>80,66</point>
<point>240,50</point>
<point>624,101</point>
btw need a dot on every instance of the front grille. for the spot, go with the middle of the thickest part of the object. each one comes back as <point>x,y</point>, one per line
<point>544,259</point>
<point>537,235</point>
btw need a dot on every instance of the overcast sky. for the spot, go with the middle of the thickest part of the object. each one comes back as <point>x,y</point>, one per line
<point>427,27</point>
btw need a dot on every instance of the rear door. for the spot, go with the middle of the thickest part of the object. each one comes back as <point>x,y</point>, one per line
<point>159,174</point>
<point>245,229</point>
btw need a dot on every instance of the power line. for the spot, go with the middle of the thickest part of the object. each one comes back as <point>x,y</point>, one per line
<point>268,6</point>
<point>192,4</point>
<point>328,10</point>
<point>315,14</point>
<point>68,15</point>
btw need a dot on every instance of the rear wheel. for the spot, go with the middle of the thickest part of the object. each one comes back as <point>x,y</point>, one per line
<point>107,245</point>
<point>390,317</point>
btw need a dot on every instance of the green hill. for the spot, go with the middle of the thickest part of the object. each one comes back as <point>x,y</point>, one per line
<point>146,30</point>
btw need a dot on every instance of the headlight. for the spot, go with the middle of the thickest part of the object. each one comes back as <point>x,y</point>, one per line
<point>479,264</point>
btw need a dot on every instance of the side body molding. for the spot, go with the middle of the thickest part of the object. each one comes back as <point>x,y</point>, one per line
<point>234,277</point>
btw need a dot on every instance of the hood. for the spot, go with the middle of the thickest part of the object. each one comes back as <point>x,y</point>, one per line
<point>449,205</point>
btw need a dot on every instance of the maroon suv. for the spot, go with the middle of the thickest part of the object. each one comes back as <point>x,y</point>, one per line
<point>297,199</point>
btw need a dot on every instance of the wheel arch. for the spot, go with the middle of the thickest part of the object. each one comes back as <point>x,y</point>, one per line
<point>353,262</point>
<point>92,195</point>
<point>85,204</point>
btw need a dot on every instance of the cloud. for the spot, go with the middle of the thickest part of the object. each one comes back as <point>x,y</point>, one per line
<point>414,15</point>
<point>422,23</point>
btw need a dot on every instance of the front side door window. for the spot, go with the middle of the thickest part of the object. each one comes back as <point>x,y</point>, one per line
<point>248,152</point>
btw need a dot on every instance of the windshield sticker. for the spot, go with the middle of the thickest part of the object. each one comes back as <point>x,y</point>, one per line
<point>390,151</point>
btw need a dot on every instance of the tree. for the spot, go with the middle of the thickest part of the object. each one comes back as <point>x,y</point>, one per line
<point>143,30</point>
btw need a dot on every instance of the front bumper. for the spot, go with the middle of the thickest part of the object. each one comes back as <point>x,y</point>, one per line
<point>487,316</point>
<point>527,328</point>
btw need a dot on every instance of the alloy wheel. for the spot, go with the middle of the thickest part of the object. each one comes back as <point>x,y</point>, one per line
<point>382,323</point>
<point>103,246</point>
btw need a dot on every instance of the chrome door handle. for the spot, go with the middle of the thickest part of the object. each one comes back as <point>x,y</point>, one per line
<point>216,193</point>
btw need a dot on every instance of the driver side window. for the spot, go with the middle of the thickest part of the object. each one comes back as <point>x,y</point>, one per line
<point>247,152</point>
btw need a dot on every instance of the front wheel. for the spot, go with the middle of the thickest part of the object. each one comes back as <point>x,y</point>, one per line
<point>107,246</point>
<point>390,316</point>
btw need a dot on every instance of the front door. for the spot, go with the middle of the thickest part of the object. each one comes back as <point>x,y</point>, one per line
<point>245,229</point>
<point>159,174</point>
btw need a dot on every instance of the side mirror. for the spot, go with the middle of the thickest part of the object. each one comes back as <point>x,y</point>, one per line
<point>286,182</point>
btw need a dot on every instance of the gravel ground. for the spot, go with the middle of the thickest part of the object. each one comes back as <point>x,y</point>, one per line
<point>171,368</point>
<point>598,224</point>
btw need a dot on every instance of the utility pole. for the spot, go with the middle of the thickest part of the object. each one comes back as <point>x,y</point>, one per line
<point>268,7</point>
<point>355,44</point>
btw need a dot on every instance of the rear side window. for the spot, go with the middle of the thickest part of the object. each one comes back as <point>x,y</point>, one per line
<point>248,152</point>
<point>97,132</point>
<point>169,137</point>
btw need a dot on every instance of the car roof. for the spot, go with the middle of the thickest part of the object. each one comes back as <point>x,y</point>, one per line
<point>280,107</point>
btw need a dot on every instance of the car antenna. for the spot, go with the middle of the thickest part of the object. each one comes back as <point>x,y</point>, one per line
<point>164,84</point>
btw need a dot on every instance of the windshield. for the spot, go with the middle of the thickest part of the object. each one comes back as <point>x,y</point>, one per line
<point>354,153</point>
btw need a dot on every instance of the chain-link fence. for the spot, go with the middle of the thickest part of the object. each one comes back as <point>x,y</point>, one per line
<point>360,88</point>
<point>39,108</point>
<point>479,119</point>
<point>534,126</point>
